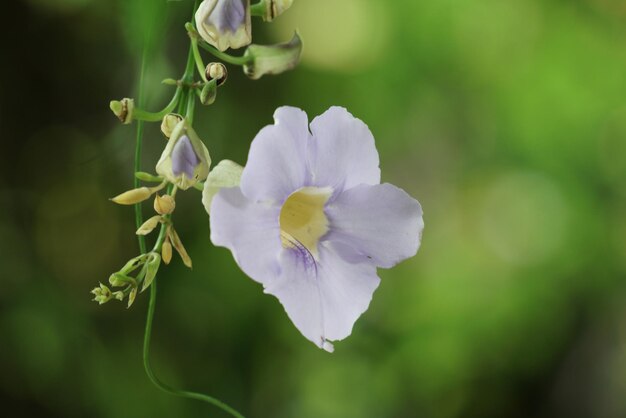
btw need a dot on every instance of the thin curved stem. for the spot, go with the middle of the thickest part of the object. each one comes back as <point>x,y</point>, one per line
<point>155,379</point>
<point>231,59</point>
<point>143,115</point>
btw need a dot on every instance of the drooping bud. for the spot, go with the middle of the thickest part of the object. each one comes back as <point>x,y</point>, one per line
<point>152,267</point>
<point>120,279</point>
<point>185,160</point>
<point>274,8</point>
<point>225,23</point>
<point>133,196</point>
<point>178,245</point>
<point>166,251</point>
<point>209,92</point>
<point>272,59</point>
<point>149,225</point>
<point>216,71</point>
<point>225,174</point>
<point>164,205</point>
<point>169,123</point>
<point>123,109</point>
<point>131,296</point>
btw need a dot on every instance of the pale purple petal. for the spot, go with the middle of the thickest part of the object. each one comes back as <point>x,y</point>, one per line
<point>324,298</point>
<point>250,230</point>
<point>228,15</point>
<point>380,223</point>
<point>276,164</point>
<point>342,153</point>
<point>184,158</point>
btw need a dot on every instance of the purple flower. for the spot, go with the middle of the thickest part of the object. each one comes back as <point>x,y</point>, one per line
<point>311,221</point>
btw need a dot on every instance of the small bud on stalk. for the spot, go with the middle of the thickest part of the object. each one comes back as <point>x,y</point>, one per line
<point>169,123</point>
<point>216,71</point>
<point>123,109</point>
<point>272,59</point>
<point>164,205</point>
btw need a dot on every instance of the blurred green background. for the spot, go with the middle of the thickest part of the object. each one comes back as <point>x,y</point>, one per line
<point>505,118</point>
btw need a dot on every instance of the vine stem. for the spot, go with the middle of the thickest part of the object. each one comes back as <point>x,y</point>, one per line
<point>185,98</point>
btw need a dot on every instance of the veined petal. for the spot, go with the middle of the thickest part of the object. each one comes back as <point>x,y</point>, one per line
<point>249,230</point>
<point>276,164</point>
<point>379,223</point>
<point>342,153</point>
<point>325,298</point>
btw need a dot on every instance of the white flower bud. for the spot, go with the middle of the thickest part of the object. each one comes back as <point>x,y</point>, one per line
<point>216,71</point>
<point>169,123</point>
<point>185,160</point>
<point>225,23</point>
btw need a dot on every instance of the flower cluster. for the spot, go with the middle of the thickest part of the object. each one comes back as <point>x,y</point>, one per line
<point>185,161</point>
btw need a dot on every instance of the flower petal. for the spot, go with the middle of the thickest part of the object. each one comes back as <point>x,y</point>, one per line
<point>277,160</point>
<point>249,230</point>
<point>325,298</point>
<point>342,153</point>
<point>381,223</point>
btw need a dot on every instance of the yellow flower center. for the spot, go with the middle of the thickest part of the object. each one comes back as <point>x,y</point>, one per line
<point>302,218</point>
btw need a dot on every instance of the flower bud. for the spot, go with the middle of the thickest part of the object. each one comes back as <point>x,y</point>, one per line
<point>209,92</point>
<point>164,205</point>
<point>272,59</point>
<point>133,196</point>
<point>225,23</point>
<point>101,294</point>
<point>274,8</point>
<point>185,160</point>
<point>178,245</point>
<point>216,71</point>
<point>169,123</point>
<point>123,109</point>
<point>225,174</point>
<point>166,251</point>
<point>152,267</point>
<point>131,296</point>
<point>149,225</point>
<point>119,279</point>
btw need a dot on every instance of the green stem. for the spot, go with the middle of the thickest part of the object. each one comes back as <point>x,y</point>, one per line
<point>143,115</point>
<point>231,59</point>
<point>156,381</point>
<point>198,59</point>
<point>186,102</point>
<point>138,147</point>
